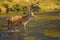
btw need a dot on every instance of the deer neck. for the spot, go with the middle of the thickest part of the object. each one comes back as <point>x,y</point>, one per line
<point>27,17</point>
<point>29,14</point>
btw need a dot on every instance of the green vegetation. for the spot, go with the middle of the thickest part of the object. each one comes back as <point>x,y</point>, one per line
<point>17,5</point>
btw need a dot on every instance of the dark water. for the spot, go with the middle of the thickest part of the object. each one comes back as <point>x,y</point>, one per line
<point>13,36</point>
<point>34,31</point>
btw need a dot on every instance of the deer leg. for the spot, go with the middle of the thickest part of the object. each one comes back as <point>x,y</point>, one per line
<point>8,24</point>
<point>10,27</point>
<point>25,27</point>
<point>25,24</point>
<point>18,27</point>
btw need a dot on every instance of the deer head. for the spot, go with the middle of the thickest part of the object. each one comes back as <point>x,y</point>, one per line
<point>30,13</point>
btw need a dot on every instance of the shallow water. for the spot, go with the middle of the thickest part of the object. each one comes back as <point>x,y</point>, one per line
<point>44,28</point>
<point>13,36</point>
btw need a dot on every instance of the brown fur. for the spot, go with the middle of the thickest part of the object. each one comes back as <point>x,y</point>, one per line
<point>16,20</point>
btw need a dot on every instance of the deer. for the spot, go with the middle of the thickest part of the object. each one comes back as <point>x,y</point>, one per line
<point>20,20</point>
